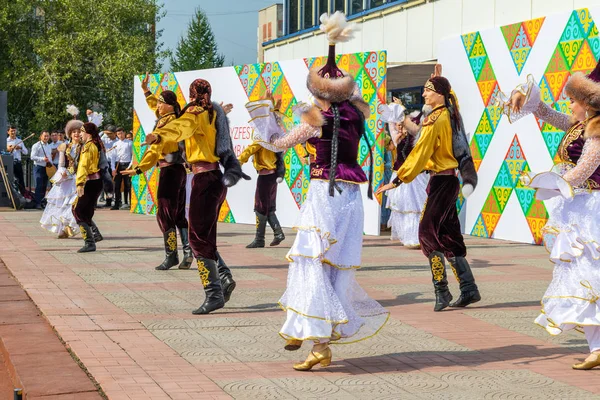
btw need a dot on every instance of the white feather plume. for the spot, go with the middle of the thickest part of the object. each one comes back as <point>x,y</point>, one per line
<point>337,28</point>
<point>96,118</point>
<point>71,109</point>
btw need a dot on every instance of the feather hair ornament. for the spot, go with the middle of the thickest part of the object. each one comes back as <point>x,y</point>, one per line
<point>337,28</point>
<point>96,118</point>
<point>72,110</point>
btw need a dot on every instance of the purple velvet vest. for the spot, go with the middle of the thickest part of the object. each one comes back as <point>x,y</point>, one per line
<point>403,149</point>
<point>570,150</point>
<point>349,139</point>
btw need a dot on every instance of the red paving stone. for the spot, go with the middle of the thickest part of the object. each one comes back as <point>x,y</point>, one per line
<point>130,362</point>
<point>33,358</point>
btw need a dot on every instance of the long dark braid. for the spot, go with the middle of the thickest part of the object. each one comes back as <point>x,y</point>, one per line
<point>334,150</point>
<point>363,134</point>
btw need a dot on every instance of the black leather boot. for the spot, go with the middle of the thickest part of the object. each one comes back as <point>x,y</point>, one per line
<point>108,202</point>
<point>278,235</point>
<point>212,286</point>
<point>97,235</point>
<point>469,293</point>
<point>171,259</point>
<point>443,297</point>
<point>261,225</point>
<point>227,282</point>
<point>188,256</point>
<point>88,237</point>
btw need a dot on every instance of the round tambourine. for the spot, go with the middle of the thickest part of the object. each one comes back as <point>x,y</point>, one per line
<point>551,184</point>
<point>266,124</point>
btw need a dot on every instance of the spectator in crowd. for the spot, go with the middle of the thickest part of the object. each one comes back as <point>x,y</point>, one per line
<point>121,161</point>
<point>54,143</point>
<point>41,154</point>
<point>17,148</point>
<point>109,138</point>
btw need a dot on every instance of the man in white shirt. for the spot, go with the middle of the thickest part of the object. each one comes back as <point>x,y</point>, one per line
<point>41,154</point>
<point>54,143</point>
<point>17,148</point>
<point>120,161</point>
<point>109,138</point>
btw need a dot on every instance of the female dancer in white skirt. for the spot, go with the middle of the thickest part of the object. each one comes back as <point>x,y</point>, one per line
<point>405,201</point>
<point>323,301</point>
<point>572,233</point>
<point>58,216</point>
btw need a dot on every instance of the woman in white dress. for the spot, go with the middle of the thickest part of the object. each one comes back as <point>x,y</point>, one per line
<point>323,301</point>
<point>406,201</point>
<point>58,216</point>
<point>572,233</point>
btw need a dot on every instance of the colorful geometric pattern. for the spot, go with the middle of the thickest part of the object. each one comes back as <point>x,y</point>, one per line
<point>144,186</point>
<point>577,50</point>
<point>488,88</point>
<point>520,38</point>
<point>370,74</point>
<point>507,182</point>
<point>256,80</point>
<point>225,214</point>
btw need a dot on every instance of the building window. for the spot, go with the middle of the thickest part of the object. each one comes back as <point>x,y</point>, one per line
<point>339,5</point>
<point>412,98</point>
<point>270,32</point>
<point>356,6</point>
<point>323,7</point>
<point>292,16</point>
<point>307,14</point>
<point>377,3</point>
<point>264,37</point>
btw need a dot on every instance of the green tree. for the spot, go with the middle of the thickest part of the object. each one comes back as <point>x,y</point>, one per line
<point>198,49</point>
<point>75,52</point>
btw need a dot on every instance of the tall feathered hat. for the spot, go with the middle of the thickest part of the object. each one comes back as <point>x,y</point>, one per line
<point>331,83</point>
<point>585,88</point>
<point>72,110</point>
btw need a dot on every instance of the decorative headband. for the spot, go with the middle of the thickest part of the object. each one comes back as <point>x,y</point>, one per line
<point>429,85</point>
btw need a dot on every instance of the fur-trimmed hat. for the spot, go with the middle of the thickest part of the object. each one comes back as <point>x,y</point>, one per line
<point>73,125</point>
<point>331,83</point>
<point>585,88</point>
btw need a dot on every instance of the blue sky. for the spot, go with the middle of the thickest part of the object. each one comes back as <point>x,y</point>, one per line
<point>234,23</point>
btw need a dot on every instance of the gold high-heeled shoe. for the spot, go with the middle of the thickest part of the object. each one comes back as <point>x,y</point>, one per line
<point>588,364</point>
<point>292,344</point>
<point>314,358</point>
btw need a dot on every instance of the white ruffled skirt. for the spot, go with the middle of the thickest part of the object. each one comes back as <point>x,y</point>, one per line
<point>572,236</point>
<point>406,202</point>
<point>58,213</point>
<point>323,300</point>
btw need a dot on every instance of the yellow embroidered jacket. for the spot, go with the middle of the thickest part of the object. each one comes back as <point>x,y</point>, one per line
<point>88,163</point>
<point>155,153</point>
<point>433,150</point>
<point>263,159</point>
<point>198,131</point>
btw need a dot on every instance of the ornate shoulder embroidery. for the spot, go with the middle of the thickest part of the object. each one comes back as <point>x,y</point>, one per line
<point>572,135</point>
<point>195,110</point>
<point>165,120</point>
<point>435,114</point>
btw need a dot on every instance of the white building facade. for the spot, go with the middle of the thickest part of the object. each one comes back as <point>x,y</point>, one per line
<point>409,30</point>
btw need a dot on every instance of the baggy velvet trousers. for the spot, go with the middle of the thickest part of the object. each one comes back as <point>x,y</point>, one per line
<point>171,198</point>
<point>83,210</point>
<point>439,229</point>
<point>208,194</point>
<point>265,197</point>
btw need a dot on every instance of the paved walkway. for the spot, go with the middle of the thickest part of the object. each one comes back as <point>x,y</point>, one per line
<point>132,328</point>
